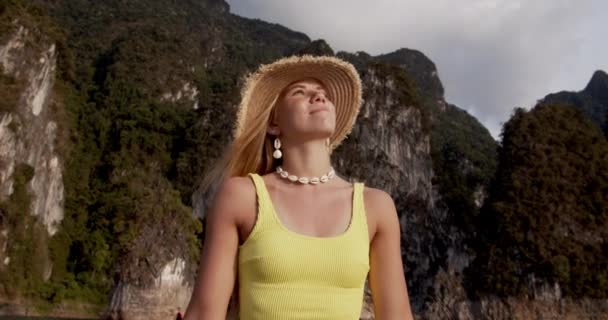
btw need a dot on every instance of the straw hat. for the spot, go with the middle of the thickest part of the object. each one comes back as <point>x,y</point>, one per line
<point>340,78</point>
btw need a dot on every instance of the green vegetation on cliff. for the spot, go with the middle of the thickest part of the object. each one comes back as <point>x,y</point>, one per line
<point>592,101</point>
<point>464,161</point>
<point>547,212</point>
<point>26,237</point>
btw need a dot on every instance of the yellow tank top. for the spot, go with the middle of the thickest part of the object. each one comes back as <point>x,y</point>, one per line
<point>287,275</point>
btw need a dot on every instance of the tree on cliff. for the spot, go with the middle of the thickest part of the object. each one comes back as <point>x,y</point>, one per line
<point>547,213</point>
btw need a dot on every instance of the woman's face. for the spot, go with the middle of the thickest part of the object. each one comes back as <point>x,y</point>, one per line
<point>304,111</point>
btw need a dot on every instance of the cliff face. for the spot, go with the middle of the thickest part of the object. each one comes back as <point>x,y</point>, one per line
<point>31,166</point>
<point>392,133</point>
<point>29,132</point>
<point>422,68</point>
<point>404,129</point>
<point>158,299</point>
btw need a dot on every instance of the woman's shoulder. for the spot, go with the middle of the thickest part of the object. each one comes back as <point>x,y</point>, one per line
<point>377,197</point>
<point>237,184</point>
<point>379,207</point>
<point>235,195</point>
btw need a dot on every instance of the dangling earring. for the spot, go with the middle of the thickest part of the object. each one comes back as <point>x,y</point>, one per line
<point>277,146</point>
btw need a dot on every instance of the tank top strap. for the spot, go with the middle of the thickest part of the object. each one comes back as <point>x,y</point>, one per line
<point>264,204</point>
<point>263,197</point>
<point>359,205</point>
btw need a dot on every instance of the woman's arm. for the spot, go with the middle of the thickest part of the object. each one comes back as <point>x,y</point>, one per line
<point>217,269</point>
<point>386,278</point>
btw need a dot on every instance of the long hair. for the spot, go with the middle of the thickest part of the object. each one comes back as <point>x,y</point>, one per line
<point>251,151</point>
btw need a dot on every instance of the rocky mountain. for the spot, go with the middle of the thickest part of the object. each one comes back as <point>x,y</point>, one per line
<point>592,100</point>
<point>32,143</point>
<point>115,109</point>
<point>425,71</point>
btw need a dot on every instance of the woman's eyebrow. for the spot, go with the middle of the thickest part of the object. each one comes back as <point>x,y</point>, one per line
<point>304,87</point>
<point>297,86</point>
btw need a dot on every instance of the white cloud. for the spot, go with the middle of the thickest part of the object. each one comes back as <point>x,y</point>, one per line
<point>492,55</point>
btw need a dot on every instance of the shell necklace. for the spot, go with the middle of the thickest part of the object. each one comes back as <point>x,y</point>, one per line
<point>304,180</point>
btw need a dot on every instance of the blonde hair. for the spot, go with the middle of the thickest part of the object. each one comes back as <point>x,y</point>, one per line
<point>250,151</point>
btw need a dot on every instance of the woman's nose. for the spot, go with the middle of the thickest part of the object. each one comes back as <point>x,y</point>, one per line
<point>319,97</point>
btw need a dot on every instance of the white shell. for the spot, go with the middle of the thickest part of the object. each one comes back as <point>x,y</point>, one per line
<point>277,143</point>
<point>305,180</point>
<point>277,154</point>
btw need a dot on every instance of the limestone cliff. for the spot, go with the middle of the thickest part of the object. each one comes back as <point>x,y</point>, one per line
<point>28,133</point>
<point>29,138</point>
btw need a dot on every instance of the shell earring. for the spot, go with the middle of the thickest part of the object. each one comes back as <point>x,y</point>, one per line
<point>277,154</point>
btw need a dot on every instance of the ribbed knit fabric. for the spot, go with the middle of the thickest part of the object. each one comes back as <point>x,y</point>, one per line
<point>287,275</point>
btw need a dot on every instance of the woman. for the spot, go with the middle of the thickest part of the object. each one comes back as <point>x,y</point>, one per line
<point>285,233</point>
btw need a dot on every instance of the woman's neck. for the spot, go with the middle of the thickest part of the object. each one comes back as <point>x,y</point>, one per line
<point>306,159</point>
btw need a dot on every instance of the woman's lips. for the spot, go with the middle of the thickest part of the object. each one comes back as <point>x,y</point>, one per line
<point>318,110</point>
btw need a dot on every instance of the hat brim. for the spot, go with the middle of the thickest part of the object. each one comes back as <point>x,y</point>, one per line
<point>339,77</point>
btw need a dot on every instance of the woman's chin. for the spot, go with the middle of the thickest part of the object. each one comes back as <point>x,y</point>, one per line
<point>325,133</point>
<point>323,124</point>
<point>320,132</point>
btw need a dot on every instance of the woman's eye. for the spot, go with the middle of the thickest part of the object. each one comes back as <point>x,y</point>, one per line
<point>298,91</point>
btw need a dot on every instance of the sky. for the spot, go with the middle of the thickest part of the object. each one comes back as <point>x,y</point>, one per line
<point>491,55</point>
